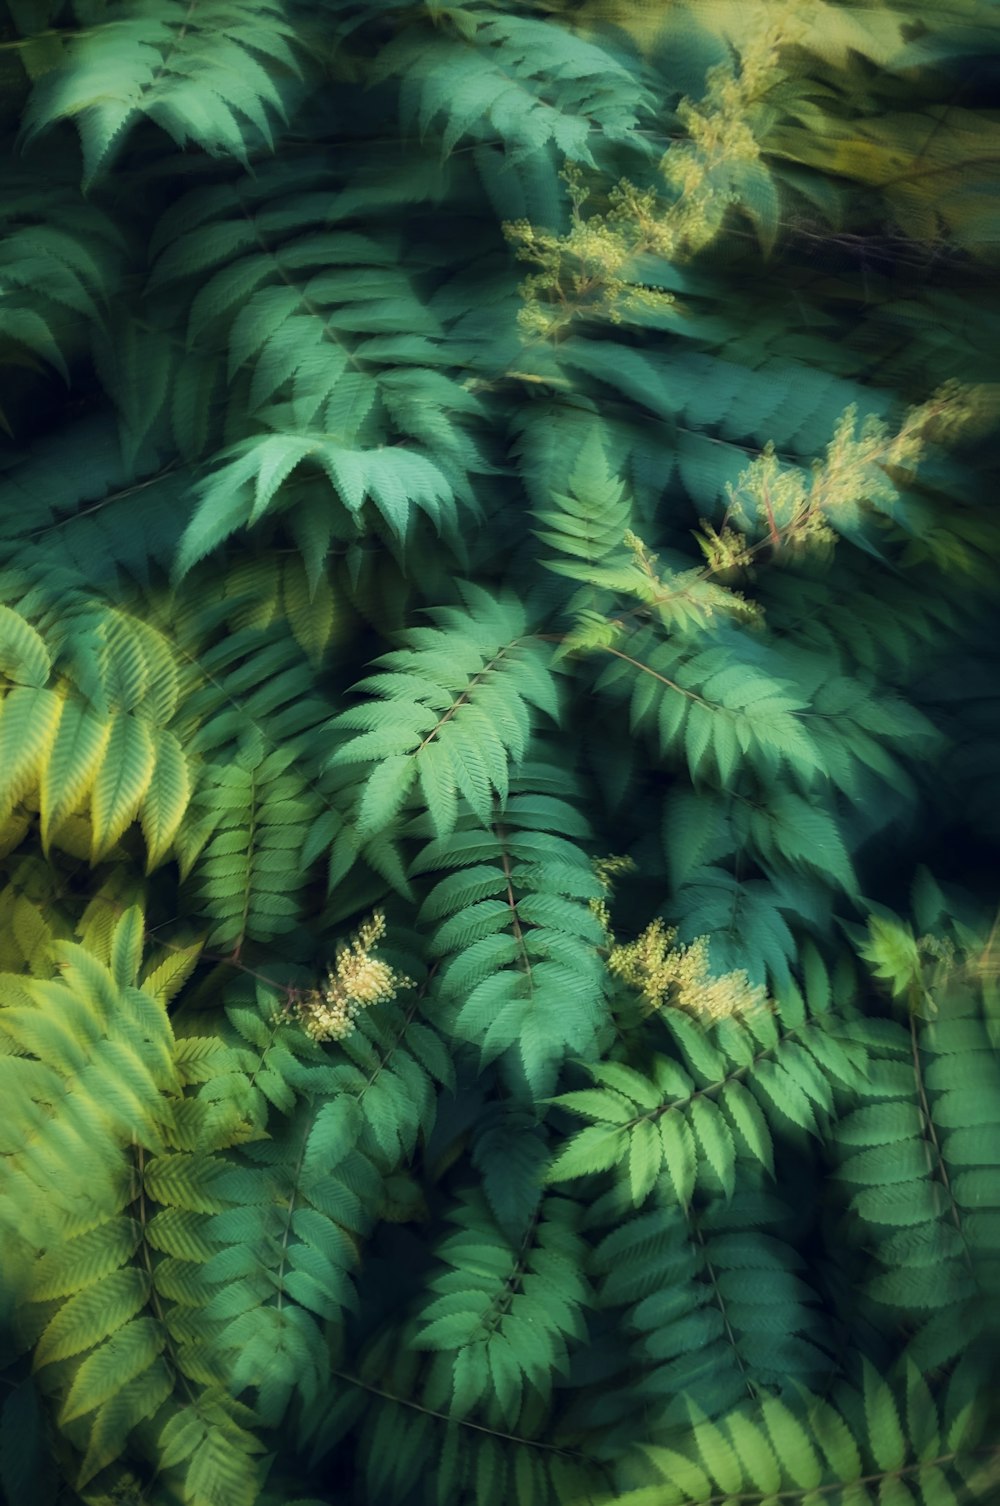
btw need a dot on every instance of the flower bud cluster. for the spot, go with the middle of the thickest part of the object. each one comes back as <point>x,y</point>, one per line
<point>355,981</point>
<point>680,975</point>
<point>606,871</point>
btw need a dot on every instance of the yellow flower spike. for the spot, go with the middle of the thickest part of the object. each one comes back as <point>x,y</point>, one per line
<point>606,871</point>
<point>665,973</point>
<point>355,981</point>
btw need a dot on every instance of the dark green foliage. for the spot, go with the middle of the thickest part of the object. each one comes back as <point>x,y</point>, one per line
<point>498,728</point>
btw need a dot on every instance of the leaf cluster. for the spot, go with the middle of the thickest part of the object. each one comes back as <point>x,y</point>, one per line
<point>477,1022</point>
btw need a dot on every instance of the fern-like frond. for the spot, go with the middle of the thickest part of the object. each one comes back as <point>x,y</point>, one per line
<point>265,1237</point>
<point>489,84</point>
<point>502,1315</point>
<point>405,1431</point>
<point>211,76</point>
<point>302,319</point>
<point>846,1450</point>
<point>453,712</point>
<point>921,1152</point>
<point>501,1075</point>
<point>718,1304</point>
<point>691,1118</point>
<point>60,267</point>
<point>104,1049</point>
<point>249,820</point>
<point>97,737</point>
<point>700,702</point>
<point>522,977</point>
<point>588,527</point>
<point>244,491</point>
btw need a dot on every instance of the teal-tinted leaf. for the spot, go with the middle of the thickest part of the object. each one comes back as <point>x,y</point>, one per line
<point>471,1378</point>
<point>902,1203</point>
<point>24,658</point>
<point>745,1113</point>
<point>386,788</point>
<point>880,1124</point>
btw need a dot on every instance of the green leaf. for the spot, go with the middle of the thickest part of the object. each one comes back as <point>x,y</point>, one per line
<point>116,1418</point>
<point>755,1453</point>
<point>716,1451</point>
<point>791,1444</point>
<point>749,1122</point>
<point>29,720</point>
<point>606,1107</point>
<point>679,1472</point>
<point>92,1314</point>
<point>69,772</point>
<point>885,1433</point>
<point>922,1420</point>
<point>24,659</point>
<point>592,1150</point>
<point>645,1153</point>
<point>385,790</point>
<point>455,1329</point>
<point>880,1124</point>
<point>185,1181</point>
<point>116,1364</point>
<point>126,947</point>
<point>122,781</point>
<point>471,1377</point>
<point>628,1081</point>
<point>836,1440</point>
<point>786,1095</point>
<point>716,1141</point>
<point>679,1155</point>
<point>166,801</point>
<point>79,1262</point>
<point>506,1373</point>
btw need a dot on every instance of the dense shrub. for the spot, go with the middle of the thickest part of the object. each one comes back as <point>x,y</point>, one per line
<point>498,728</point>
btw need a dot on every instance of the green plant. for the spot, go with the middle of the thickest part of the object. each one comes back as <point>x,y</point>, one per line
<point>495,640</point>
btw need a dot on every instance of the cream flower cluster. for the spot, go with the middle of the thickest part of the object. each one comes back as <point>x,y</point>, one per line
<point>355,981</point>
<point>680,975</point>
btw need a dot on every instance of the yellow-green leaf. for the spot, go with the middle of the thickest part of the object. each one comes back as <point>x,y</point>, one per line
<point>679,1154</point>
<point>645,1154</point>
<point>185,1181</point>
<point>120,1414</point>
<point>166,800</point>
<point>594,1149</point>
<point>167,979</point>
<point>121,784</point>
<point>69,772</point>
<point>885,1434</point>
<point>28,721</point>
<point>93,1314</point>
<point>23,655</point>
<point>126,947</point>
<point>113,1366</point>
<point>311,614</point>
<point>75,1263</point>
